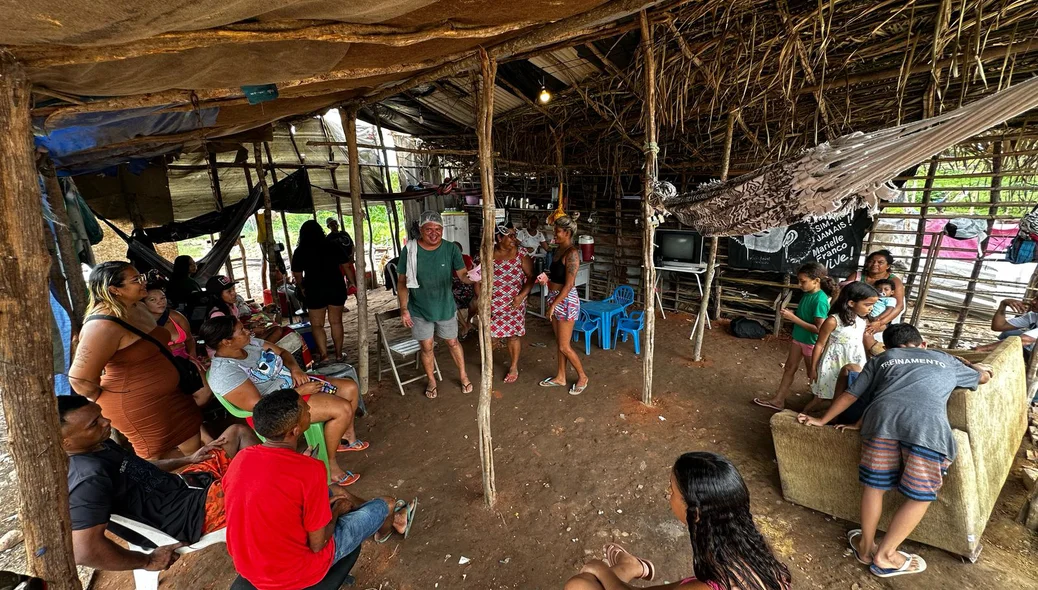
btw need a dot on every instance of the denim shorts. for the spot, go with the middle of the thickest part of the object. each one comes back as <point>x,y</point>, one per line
<point>356,525</point>
<point>424,329</point>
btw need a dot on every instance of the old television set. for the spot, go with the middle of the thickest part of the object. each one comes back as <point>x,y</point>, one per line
<point>678,248</point>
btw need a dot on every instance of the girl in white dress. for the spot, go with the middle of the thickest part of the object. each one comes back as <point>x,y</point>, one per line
<point>840,340</point>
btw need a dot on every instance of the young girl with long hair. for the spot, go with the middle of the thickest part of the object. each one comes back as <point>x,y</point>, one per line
<point>814,280</point>
<point>707,494</point>
<point>840,341</point>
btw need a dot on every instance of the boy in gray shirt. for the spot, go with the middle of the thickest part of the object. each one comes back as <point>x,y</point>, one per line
<point>907,441</point>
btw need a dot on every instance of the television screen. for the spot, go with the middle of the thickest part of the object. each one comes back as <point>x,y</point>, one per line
<point>683,247</point>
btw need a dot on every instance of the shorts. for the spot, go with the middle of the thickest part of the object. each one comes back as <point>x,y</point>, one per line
<point>916,471</point>
<point>358,524</point>
<point>569,309</point>
<point>215,517</point>
<point>325,296</point>
<point>424,329</point>
<point>808,350</point>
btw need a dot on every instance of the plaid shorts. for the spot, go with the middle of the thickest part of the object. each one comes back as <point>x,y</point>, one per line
<point>917,472</point>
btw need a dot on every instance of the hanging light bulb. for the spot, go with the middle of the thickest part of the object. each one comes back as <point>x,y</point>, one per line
<point>421,119</point>
<point>544,97</point>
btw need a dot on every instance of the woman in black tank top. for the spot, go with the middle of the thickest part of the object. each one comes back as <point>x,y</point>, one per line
<point>563,304</point>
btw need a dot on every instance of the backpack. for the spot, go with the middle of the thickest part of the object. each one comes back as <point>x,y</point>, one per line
<point>747,328</point>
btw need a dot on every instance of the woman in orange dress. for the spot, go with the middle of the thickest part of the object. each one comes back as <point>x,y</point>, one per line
<point>138,390</point>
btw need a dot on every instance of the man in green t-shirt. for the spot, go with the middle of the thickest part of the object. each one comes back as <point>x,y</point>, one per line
<point>426,299</point>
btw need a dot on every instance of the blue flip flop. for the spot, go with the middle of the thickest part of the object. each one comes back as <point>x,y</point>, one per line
<point>400,505</point>
<point>851,535</point>
<point>411,509</point>
<point>904,570</point>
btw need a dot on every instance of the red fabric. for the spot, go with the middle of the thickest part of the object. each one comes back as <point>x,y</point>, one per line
<point>273,497</point>
<point>509,279</point>
<point>248,419</point>
<point>469,264</point>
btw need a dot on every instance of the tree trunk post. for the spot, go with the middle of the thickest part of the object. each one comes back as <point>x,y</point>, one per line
<point>268,228</point>
<point>70,265</point>
<point>392,218</point>
<point>711,263</point>
<point>651,150</point>
<point>484,128</point>
<point>358,214</point>
<point>26,357</point>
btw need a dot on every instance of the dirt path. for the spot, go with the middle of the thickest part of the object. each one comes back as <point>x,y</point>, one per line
<point>576,472</point>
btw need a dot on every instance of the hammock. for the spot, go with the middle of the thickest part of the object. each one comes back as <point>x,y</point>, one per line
<point>210,264</point>
<point>837,177</point>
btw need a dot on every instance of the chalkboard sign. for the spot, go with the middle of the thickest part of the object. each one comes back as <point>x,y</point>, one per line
<point>836,243</point>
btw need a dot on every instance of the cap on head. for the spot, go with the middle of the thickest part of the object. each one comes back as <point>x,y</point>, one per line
<point>219,283</point>
<point>430,217</point>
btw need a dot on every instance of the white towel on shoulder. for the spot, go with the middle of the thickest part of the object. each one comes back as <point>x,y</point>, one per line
<point>412,265</point>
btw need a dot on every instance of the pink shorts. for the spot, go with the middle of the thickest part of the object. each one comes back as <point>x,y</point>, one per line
<point>807,349</point>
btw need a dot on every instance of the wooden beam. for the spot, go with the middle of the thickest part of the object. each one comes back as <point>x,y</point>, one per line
<point>26,355</point>
<point>70,265</point>
<point>484,133</point>
<point>268,226</point>
<point>394,218</point>
<point>49,56</point>
<point>711,264</point>
<point>349,118</point>
<point>650,178</point>
<point>370,146</point>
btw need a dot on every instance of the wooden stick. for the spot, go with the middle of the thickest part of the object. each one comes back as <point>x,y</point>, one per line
<point>711,263</point>
<point>933,252</point>
<point>917,251</point>
<point>268,227</point>
<point>26,355</point>
<point>360,245</point>
<point>49,56</point>
<point>393,218</point>
<point>484,134</point>
<point>70,265</point>
<point>428,151</point>
<point>650,178</point>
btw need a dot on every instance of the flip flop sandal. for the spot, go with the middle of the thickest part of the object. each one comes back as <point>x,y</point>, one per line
<point>577,389</point>
<point>357,445</point>
<point>411,509</point>
<point>511,377</point>
<point>550,382</point>
<point>766,404</point>
<point>430,393</point>
<point>349,478</point>
<point>612,553</point>
<point>400,505</point>
<point>890,572</point>
<point>851,535</point>
<point>467,387</point>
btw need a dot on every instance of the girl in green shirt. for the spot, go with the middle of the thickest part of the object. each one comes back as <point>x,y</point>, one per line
<point>818,286</point>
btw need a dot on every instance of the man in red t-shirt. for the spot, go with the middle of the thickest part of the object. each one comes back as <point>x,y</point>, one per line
<point>285,526</point>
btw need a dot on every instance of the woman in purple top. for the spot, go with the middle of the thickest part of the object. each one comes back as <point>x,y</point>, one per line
<point>708,495</point>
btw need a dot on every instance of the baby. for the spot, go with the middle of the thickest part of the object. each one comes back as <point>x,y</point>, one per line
<point>886,298</point>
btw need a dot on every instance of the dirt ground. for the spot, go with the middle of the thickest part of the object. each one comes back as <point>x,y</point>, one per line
<point>574,473</point>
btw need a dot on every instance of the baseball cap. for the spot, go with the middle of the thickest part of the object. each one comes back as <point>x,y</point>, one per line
<point>219,283</point>
<point>430,217</point>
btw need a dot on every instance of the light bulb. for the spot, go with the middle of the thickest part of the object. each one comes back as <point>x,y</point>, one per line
<point>544,97</point>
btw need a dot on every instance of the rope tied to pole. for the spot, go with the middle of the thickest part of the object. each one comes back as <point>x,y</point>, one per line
<point>651,147</point>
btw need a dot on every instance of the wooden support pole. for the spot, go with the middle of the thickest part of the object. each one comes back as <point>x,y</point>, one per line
<point>651,149</point>
<point>268,227</point>
<point>393,218</point>
<point>26,356</point>
<point>711,263</point>
<point>917,251</point>
<point>932,254</point>
<point>995,196</point>
<point>274,177</point>
<point>349,119</point>
<point>484,129</point>
<point>70,265</point>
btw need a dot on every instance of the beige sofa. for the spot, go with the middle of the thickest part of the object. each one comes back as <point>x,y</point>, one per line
<point>819,466</point>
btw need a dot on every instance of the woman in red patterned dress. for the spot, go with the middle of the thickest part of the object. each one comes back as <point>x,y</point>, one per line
<point>513,280</point>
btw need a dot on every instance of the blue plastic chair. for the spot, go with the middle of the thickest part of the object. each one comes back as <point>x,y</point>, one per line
<point>631,325</point>
<point>586,325</point>
<point>624,295</point>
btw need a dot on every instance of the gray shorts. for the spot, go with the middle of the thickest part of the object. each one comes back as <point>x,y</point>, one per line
<point>424,329</point>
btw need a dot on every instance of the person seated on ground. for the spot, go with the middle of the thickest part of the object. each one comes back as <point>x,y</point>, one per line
<point>709,496</point>
<point>223,301</point>
<point>285,526</point>
<point>886,300</point>
<point>907,441</point>
<point>105,479</point>
<point>245,369</point>
<point>1024,325</point>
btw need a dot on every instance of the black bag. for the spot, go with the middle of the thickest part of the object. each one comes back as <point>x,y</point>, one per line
<point>747,328</point>
<point>190,377</point>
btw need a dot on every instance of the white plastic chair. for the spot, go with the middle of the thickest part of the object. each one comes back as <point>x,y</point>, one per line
<point>404,347</point>
<point>148,580</point>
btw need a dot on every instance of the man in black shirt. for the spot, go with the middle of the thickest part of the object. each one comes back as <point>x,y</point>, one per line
<point>344,241</point>
<point>105,479</point>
